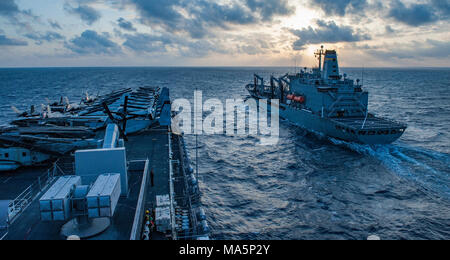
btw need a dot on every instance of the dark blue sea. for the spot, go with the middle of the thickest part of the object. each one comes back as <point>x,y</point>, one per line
<point>306,187</point>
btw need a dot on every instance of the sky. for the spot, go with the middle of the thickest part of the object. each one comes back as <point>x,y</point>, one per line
<point>366,33</point>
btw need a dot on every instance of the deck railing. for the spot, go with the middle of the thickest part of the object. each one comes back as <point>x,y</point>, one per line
<point>21,202</point>
<point>138,223</point>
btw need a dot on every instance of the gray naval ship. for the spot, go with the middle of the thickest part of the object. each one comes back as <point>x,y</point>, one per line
<point>136,187</point>
<point>325,102</point>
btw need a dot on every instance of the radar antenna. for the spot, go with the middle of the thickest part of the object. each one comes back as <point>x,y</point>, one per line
<point>319,54</point>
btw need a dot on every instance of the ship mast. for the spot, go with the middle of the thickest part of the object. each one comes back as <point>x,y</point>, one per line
<point>319,54</point>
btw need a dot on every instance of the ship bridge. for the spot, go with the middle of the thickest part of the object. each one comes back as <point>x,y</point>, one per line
<point>330,66</point>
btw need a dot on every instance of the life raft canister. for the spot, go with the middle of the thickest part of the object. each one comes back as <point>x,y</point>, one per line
<point>300,99</point>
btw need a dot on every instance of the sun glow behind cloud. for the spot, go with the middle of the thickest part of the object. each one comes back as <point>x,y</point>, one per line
<point>303,18</point>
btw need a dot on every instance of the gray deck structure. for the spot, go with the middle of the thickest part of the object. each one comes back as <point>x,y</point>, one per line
<point>154,146</point>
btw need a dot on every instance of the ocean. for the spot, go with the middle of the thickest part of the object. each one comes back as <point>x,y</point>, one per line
<point>307,186</point>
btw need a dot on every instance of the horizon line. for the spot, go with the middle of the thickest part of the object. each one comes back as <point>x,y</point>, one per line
<point>170,66</point>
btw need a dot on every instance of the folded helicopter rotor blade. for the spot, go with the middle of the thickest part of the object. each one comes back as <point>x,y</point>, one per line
<point>17,111</point>
<point>114,120</point>
<point>108,112</point>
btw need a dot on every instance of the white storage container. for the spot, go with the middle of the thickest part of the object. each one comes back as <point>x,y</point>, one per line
<point>55,205</point>
<point>163,219</point>
<point>162,200</point>
<point>104,196</point>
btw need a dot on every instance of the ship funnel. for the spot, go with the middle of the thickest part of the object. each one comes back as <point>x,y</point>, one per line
<point>331,66</point>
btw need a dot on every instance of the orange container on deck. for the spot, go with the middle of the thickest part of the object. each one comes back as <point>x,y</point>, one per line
<point>299,99</point>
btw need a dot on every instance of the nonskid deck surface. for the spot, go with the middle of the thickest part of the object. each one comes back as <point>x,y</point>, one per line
<point>151,145</point>
<point>373,123</point>
<point>14,183</point>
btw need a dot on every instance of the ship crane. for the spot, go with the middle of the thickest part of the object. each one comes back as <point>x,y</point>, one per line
<point>257,80</point>
<point>280,84</point>
<point>272,86</point>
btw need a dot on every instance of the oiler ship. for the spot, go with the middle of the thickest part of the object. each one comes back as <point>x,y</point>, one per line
<point>323,101</point>
<point>137,186</point>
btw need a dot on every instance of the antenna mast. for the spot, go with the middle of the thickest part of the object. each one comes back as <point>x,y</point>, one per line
<point>319,54</point>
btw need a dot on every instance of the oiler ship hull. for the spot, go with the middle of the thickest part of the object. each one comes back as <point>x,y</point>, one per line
<point>368,131</point>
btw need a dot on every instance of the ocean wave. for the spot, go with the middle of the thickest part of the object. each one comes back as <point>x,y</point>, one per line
<point>307,186</point>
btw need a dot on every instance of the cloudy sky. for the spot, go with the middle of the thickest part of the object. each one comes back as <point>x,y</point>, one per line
<point>370,33</point>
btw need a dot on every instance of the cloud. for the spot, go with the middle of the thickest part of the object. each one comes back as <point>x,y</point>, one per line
<point>155,11</point>
<point>19,18</point>
<point>90,42</point>
<point>201,13</point>
<point>340,7</point>
<point>202,48</point>
<point>435,49</point>
<point>268,9</point>
<point>48,37</point>
<point>389,29</point>
<point>416,51</point>
<point>254,44</point>
<point>5,41</point>
<point>142,42</point>
<point>86,13</point>
<point>414,14</point>
<point>173,44</point>
<point>442,7</point>
<point>8,8</point>
<point>214,14</point>
<point>327,32</point>
<point>251,49</point>
<point>126,25</point>
<point>196,17</point>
